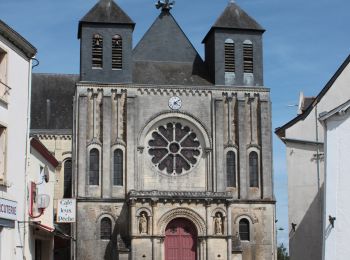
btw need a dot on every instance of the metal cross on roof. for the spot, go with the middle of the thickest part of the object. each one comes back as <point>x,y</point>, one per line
<point>166,5</point>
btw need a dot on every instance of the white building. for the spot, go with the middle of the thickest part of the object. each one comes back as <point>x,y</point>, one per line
<point>15,76</point>
<point>41,187</point>
<point>337,194</point>
<point>304,140</point>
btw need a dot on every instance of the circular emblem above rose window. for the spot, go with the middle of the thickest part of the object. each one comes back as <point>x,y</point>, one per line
<point>175,149</point>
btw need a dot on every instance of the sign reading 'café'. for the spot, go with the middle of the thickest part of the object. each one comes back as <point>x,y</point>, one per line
<point>8,209</point>
<point>66,211</point>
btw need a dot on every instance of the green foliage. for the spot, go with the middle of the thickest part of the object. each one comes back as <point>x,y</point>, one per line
<point>282,253</point>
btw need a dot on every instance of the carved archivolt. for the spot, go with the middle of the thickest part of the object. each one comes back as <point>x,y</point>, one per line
<point>189,119</point>
<point>186,213</point>
<point>221,210</point>
<point>252,219</point>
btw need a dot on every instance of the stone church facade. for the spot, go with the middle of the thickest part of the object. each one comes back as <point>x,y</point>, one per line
<point>172,155</point>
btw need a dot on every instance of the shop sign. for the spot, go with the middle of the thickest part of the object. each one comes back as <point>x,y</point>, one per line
<point>66,211</point>
<point>8,209</point>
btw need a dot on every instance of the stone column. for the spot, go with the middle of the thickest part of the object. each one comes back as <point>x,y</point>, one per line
<point>266,151</point>
<point>107,180</point>
<point>133,226</point>
<point>82,129</point>
<point>242,144</point>
<point>132,175</point>
<point>229,230</point>
<point>254,119</point>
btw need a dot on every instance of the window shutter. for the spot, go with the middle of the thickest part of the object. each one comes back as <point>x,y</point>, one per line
<point>230,65</point>
<point>97,51</point>
<point>117,52</point>
<point>248,58</point>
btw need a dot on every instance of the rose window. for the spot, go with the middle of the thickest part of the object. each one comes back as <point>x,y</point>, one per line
<point>174,148</point>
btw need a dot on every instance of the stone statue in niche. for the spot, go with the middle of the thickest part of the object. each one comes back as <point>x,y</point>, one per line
<point>218,224</point>
<point>143,223</point>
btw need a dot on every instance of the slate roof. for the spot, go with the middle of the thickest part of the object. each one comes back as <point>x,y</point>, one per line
<point>169,73</point>
<point>106,11</point>
<point>233,17</point>
<point>59,89</point>
<point>166,56</point>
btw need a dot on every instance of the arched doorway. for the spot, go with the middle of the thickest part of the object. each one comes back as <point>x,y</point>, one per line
<point>180,240</point>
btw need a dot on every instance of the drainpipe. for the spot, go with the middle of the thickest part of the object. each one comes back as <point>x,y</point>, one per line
<point>27,149</point>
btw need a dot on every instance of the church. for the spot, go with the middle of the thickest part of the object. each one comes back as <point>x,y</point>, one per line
<point>171,152</point>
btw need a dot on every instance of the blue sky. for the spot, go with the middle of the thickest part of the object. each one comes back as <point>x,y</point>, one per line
<point>305,43</point>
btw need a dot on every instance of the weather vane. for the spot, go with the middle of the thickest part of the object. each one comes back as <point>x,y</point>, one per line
<point>166,5</point>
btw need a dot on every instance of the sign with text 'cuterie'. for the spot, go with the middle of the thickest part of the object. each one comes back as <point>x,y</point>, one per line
<point>66,212</point>
<point>8,209</point>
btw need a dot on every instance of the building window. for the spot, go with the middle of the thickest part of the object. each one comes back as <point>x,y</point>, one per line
<point>94,167</point>
<point>231,169</point>
<point>67,179</point>
<point>248,59</point>
<point>118,168</point>
<point>106,229</point>
<point>4,89</point>
<point>97,51</point>
<point>254,169</point>
<point>244,232</point>
<point>117,52</point>
<point>230,56</point>
<point>174,148</point>
<point>3,149</point>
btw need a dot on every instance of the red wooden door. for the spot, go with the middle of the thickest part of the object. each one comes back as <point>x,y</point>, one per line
<point>180,240</point>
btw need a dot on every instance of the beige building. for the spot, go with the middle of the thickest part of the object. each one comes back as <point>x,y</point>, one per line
<point>172,154</point>
<point>51,123</point>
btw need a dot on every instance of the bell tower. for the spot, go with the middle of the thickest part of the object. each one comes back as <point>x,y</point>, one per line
<point>233,49</point>
<point>105,34</point>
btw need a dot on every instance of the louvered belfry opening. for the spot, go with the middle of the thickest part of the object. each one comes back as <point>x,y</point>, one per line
<point>248,58</point>
<point>97,51</point>
<point>230,65</point>
<point>117,52</point>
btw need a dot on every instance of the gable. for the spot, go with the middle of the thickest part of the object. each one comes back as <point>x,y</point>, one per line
<point>165,41</point>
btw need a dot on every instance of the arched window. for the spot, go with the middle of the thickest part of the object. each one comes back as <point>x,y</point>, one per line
<point>230,65</point>
<point>67,179</point>
<point>106,229</point>
<point>97,51</point>
<point>118,168</point>
<point>254,169</point>
<point>248,59</point>
<point>231,169</point>
<point>117,52</point>
<point>94,167</point>
<point>244,230</point>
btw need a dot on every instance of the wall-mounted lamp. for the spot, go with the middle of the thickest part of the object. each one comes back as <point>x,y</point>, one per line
<point>331,220</point>
<point>294,226</point>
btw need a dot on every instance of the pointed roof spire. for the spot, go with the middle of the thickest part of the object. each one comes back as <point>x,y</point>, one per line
<point>108,12</point>
<point>234,17</point>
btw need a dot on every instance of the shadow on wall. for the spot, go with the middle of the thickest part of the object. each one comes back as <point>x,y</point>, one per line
<point>119,242</point>
<point>306,242</point>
